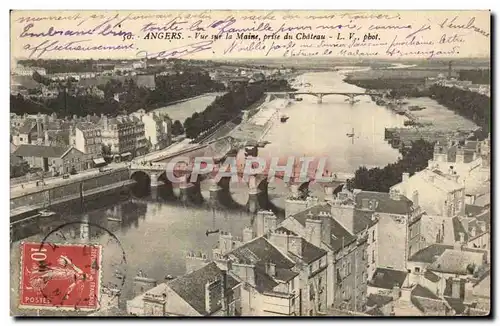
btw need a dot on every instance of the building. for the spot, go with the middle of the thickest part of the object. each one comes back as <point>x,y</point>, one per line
<point>86,137</point>
<point>410,300</point>
<point>123,137</point>
<point>398,229</point>
<point>57,160</point>
<point>282,273</point>
<point>359,221</point>
<point>208,291</point>
<point>440,194</point>
<point>157,129</point>
<point>347,260</point>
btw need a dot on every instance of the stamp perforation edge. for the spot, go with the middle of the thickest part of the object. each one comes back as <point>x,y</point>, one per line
<point>67,308</point>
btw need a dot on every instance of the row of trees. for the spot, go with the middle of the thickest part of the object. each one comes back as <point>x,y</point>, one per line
<point>476,76</point>
<point>470,105</point>
<point>132,97</point>
<point>381,179</point>
<point>230,105</point>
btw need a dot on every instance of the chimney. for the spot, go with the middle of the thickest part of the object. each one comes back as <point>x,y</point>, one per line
<point>210,299</point>
<point>39,130</point>
<point>462,237</point>
<point>394,194</point>
<point>328,193</point>
<point>396,292</point>
<point>223,286</point>
<point>460,155</point>
<point>415,199</point>
<point>75,117</point>
<point>104,122</point>
<point>265,221</point>
<point>280,240</point>
<point>143,284</point>
<point>406,293</point>
<point>473,231</point>
<point>295,245</point>
<point>247,234</point>
<point>482,226</point>
<point>271,269</point>
<point>294,189</point>
<point>365,202</point>
<point>344,214</point>
<point>46,138</point>
<point>313,229</point>
<point>455,288</point>
<point>405,177</point>
<point>244,272</point>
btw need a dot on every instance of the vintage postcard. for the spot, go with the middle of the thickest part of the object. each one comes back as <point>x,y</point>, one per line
<point>250,163</point>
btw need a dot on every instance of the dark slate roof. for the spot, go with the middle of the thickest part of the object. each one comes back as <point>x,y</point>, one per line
<point>420,291</point>
<point>473,210</point>
<point>388,278</point>
<point>384,203</point>
<point>362,220</point>
<point>339,235</point>
<point>310,252</point>
<point>428,254</point>
<point>431,276</point>
<point>427,305</point>
<point>39,151</point>
<point>377,300</point>
<point>260,250</point>
<point>456,304</point>
<point>191,287</point>
<point>302,216</point>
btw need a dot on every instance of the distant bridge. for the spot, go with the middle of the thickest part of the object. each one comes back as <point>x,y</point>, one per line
<point>320,95</point>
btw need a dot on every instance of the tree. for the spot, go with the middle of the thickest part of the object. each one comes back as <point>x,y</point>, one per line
<point>177,128</point>
<point>381,179</point>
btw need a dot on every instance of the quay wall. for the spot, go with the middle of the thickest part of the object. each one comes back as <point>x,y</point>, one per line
<point>49,195</point>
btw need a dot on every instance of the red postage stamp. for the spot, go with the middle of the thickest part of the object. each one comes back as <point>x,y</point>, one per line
<point>57,276</point>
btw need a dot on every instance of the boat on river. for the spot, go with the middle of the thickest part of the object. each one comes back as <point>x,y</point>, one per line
<point>416,108</point>
<point>211,232</point>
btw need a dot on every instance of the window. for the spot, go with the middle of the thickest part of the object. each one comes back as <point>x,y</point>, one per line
<point>373,236</point>
<point>373,256</point>
<point>310,269</point>
<point>417,269</point>
<point>320,281</point>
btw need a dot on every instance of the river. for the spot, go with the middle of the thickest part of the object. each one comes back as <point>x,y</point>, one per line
<point>156,233</point>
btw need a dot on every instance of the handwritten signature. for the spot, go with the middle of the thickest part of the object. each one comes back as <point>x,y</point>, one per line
<point>36,51</point>
<point>177,52</point>
<point>103,29</point>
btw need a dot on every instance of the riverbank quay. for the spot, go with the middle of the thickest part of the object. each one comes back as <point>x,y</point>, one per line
<point>73,191</point>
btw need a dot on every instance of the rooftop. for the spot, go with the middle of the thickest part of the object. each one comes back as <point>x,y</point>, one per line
<point>338,237</point>
<point>457,261</point>
<point>383,203</point>
<point>388,278</point>
<point>39,151</point>
<point>191,287</point>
